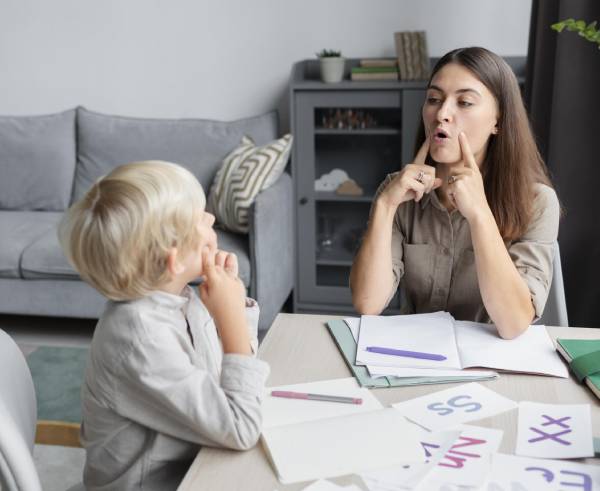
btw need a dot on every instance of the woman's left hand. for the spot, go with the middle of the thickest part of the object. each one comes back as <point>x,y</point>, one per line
<point>465,186</point>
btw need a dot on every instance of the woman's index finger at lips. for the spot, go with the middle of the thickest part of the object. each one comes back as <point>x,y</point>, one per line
<point>466,151</point>
<point>421,156</point>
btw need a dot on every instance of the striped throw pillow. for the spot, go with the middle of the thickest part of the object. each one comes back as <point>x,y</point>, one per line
<point>244,173</point>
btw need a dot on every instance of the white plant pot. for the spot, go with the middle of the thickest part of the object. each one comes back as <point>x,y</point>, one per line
<point>332,69</point>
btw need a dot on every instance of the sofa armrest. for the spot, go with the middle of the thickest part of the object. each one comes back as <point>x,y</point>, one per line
<point>272,249</point>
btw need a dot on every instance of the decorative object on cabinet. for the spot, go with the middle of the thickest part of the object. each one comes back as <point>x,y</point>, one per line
<point>332,66</point>
<point>413,60</point>
<point>331,181</point>
<point>349,188</point>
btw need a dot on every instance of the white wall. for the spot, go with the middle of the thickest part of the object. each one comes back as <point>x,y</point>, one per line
<point>221,59</point>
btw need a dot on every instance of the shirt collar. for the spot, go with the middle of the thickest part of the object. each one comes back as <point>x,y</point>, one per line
<point>170,301</point>
<point>432,198</point>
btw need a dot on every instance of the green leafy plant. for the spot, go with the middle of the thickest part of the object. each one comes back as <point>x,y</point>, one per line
<point>588,31</point>
<point>329,53</point>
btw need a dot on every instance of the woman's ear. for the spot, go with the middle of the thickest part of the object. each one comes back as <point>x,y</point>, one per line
<point>173,264</point>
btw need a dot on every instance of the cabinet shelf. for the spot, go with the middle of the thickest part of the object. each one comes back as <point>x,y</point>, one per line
<point>361,132</point>
<point>332,196</point>
<point>334,262</point>
<point>335,257</point>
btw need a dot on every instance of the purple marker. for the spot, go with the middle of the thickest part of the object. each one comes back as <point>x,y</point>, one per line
<point>408,354</point>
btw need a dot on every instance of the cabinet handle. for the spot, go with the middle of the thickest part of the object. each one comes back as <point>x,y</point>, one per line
<point>303,200</point>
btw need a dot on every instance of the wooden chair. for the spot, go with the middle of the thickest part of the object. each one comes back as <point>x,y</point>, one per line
<point>18,416</point>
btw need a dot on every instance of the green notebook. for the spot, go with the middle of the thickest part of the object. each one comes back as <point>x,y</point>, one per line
<point>347,346</point>
<point>583,356</point>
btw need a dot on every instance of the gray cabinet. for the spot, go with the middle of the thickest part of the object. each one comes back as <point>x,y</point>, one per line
<point>328,225</point>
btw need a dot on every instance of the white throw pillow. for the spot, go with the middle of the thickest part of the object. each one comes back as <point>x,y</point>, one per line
<point>244,173</point>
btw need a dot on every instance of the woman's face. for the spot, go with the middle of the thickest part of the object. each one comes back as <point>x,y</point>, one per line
<point>457,101</point>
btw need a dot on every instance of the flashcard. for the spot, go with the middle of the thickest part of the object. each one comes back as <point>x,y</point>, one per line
<point>468,461</point>
<point>451,407</point>
<point>556,431</point>
<point>511,473</point>
<point>435,446</point>
<point>324,485</point>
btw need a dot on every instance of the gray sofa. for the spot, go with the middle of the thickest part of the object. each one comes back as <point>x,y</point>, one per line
<point>48,162</point>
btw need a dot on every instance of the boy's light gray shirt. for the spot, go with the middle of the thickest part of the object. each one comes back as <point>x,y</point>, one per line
<point>151,398</point>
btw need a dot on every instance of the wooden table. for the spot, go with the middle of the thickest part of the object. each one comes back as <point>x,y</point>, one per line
<point>299,349</point>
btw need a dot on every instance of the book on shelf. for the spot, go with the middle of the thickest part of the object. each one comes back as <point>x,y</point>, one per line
<point>378,62</point>
<point>374,76</point>
<point>413,59</point>
<point>374,73</point>
<point>374,69</point>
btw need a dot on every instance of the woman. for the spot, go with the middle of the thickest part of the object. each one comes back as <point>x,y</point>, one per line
<point>469,226</point>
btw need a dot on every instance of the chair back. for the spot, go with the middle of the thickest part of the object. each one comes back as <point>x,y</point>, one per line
<point>18,415</point>
<point>555,312</point>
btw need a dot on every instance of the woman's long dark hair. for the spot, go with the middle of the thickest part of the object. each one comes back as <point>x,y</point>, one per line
<point>513,163</point>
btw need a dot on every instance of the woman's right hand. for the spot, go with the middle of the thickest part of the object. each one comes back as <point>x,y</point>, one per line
<point>412,182</point>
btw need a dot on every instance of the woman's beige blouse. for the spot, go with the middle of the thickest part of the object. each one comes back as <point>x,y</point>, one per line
<point>434,263</point>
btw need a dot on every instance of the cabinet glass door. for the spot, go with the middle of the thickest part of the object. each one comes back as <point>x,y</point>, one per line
<point>349,142</point>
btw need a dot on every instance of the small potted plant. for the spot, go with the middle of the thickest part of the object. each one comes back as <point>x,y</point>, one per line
<point>332,66</point>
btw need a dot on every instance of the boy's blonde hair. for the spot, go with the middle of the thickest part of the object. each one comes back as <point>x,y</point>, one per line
<point>119,235</point>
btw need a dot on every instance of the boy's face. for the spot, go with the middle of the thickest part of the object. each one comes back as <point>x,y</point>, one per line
<point>207,244</point>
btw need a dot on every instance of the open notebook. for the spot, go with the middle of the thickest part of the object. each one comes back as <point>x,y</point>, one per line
<point>461,344</point>
<point>307,440</point>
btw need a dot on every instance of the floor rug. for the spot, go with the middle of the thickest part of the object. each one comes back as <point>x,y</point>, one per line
<point>57,375</point>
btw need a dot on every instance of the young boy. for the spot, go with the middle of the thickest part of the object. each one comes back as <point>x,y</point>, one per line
<point>167,373</point>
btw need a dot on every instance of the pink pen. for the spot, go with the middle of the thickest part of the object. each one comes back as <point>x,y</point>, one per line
<point>315,397</point>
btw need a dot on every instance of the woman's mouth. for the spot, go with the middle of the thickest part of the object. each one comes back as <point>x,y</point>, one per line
<point>441,136</point>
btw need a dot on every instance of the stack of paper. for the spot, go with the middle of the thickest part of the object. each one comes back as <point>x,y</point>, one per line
<point>437,345</point>
<point>308,440</point>
<point>343,337</point>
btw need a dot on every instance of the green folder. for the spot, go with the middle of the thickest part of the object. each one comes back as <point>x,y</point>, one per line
<point>583,356</point>
<point>345,342</point>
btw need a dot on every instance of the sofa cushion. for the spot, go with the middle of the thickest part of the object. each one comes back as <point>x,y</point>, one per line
<point>245,172</point>
<point>200,145</point>
<point>18,229</point>
<point>44,259</point>
<point>37,161</point>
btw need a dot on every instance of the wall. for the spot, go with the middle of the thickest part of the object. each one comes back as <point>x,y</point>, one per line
<point>222,59</point>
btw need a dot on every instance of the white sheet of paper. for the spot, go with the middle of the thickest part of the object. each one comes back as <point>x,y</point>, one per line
<point>379,371</point>
<point>278,411</point>
<point>454,406</point>
<point>510,473</point>
<point>323,485</point>
<point>556,431</point>
<point>434,447</point>
<point>532,352</point>
<point>353,324</point>
<point>468,461</point>
<point>344,445</point>
<point>425,333</point>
